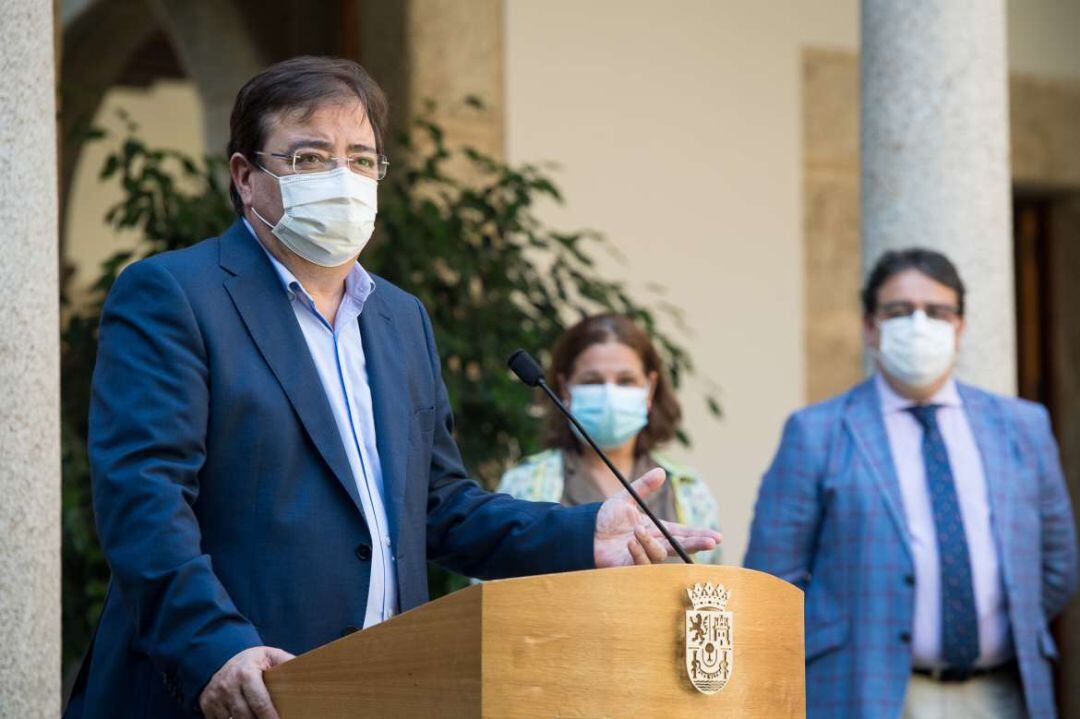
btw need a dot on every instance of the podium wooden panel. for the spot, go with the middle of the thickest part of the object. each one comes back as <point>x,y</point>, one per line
<point>604,643</point>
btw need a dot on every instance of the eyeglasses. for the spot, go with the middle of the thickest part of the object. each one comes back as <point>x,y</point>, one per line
<point>368,164</point>
<point>893,310</point>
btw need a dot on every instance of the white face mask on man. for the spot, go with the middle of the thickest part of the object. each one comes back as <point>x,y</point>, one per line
<point>328,216</point>
<point>916,350</point>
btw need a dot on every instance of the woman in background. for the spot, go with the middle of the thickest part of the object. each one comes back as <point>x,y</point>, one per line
<point>607,371</point>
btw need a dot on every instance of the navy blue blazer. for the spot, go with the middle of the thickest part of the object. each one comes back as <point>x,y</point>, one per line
<point>223,497</point>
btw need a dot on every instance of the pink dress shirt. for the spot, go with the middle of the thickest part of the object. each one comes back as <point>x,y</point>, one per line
<point>905,441</point>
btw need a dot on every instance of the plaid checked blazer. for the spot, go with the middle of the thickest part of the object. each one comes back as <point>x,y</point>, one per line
<point>830,519</point>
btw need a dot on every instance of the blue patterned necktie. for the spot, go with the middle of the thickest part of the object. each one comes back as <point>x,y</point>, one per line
<point>959,620</point>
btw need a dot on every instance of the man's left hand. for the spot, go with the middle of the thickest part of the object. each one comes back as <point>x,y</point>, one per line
<point>625,535</point>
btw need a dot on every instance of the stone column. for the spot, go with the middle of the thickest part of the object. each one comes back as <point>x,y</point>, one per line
<point>29,367</point>
<point>935,157</point>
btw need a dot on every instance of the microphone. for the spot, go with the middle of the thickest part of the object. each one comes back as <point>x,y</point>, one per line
<point>528,370</point>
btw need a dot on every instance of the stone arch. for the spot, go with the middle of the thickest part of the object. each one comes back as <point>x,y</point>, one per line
<point>200,30</point>
<point>98,43</point>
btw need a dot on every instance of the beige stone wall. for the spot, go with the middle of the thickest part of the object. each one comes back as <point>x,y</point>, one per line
<point>1042,37</point>
<point>1045,117</point>
<point>832,333</point>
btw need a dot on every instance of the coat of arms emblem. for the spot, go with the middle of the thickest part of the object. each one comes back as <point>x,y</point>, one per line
<point>709,650</point>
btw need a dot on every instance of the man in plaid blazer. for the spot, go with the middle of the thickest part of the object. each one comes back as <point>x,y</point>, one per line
<point>927,521</point>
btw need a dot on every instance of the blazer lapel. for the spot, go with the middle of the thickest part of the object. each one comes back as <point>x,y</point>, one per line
<point>256,291</point>
<point>388,380</point>
<point>992,436</point>
<point>864,421</point>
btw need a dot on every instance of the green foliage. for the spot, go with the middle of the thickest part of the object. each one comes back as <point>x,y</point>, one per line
<point>492,276</point>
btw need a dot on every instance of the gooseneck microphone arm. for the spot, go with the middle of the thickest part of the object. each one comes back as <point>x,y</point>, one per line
<point>528,370</point>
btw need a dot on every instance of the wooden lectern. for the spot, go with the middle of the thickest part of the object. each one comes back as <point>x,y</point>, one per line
<point>603,643</point>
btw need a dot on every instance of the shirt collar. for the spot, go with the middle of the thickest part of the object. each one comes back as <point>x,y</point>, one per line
<point>358,283</point>
<point>892,402</point>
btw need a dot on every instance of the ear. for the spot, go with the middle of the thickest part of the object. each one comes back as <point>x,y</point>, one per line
<point>871,332</point>
<point>961,326</point>
<point>241,172</point>
<point>652,377</point>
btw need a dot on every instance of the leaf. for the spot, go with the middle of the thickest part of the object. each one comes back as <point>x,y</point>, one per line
<point>112,164</point>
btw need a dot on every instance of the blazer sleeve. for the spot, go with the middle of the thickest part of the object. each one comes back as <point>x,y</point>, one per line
<point>1059,560</point>
<point>148,421</point>
<point>788,512</point>
<point>491,536</point>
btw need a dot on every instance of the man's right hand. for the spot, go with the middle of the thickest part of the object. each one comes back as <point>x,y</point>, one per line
<point>237,689</point>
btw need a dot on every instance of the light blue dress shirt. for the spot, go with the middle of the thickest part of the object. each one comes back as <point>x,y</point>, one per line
<point>338,353</point>
<point>905,441</point>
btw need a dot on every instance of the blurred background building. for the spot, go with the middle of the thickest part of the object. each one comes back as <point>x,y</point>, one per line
<point>716,144</point>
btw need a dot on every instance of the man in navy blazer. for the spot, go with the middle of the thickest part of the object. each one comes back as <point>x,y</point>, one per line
<point>271,442</point>
<point>927,521</point>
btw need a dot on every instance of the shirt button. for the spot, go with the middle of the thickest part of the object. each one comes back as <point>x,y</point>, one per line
<point>363,552</point>
<point>909,579</point>
<point>905,637</point>
<point>386,541</point>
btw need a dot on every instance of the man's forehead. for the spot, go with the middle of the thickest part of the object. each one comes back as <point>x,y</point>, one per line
<point>913,284</point>
<point>325,121</point>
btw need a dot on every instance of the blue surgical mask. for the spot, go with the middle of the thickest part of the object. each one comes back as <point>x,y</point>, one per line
<point>611,414</point>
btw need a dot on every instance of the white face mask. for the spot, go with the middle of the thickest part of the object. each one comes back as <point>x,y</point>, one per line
<point>328,217</point>
<point>916,350</point>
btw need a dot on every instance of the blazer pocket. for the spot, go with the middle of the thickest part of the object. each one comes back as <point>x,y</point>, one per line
<point>825,638</point>
<point>1048,646</point>
<point>424,420</point>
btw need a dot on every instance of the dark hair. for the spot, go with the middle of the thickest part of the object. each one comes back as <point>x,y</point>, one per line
<point>299,84</point>
<point>664,415</point>
<point>933,264</point>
